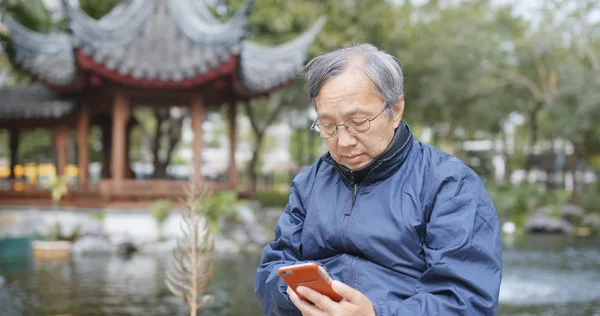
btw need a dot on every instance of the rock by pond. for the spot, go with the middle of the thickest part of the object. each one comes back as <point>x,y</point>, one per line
<point>561,219</point>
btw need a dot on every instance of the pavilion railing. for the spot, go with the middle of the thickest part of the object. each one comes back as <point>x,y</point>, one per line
<point>148,189</point>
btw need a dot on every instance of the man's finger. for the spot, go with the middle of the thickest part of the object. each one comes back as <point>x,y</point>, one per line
<point>305,307</point>
<point>321,301</point>
<point>346,292</point>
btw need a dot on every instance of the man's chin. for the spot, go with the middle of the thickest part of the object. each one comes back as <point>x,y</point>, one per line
<point>355,166</point>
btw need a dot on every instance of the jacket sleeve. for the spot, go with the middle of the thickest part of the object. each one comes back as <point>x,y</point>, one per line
<point>286,249</point>
<point>462,247</point>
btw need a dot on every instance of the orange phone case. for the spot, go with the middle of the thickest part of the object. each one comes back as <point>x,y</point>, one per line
<point>310,275</point>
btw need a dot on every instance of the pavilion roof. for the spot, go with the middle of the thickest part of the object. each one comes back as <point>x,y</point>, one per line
<point>33,101</point>
<point>49,57</point>
<point>264,67</point>
<point>160,41</point>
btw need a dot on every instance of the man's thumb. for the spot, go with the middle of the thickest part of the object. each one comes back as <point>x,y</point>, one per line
<point>345,291</point>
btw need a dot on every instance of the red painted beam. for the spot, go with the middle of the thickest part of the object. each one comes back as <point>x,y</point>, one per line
<point>89,64</point>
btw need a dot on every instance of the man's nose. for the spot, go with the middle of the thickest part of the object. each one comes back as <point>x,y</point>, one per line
<point>345,138</point>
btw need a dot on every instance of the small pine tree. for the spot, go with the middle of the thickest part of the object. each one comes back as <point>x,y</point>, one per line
<point>193,265</point>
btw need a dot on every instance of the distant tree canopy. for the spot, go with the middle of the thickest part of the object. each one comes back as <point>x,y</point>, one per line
<point>470,66</point>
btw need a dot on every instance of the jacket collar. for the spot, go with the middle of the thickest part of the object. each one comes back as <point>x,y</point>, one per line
<point>383,165</point>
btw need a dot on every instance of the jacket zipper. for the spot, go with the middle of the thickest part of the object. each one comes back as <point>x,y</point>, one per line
<point>354,190</point>
<point>348,211</point>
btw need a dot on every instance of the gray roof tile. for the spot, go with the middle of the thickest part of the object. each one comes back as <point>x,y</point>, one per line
<point>159,38</point>
<point>266,67</point>
<point>49,57</point>
<point>34,101</point>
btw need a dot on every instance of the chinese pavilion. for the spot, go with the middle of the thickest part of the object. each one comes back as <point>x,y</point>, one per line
<point>144,52</point>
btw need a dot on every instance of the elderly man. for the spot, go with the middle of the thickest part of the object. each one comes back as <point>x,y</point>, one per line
<point>404,228</point>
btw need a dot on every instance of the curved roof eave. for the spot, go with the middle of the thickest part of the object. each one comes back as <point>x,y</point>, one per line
<point>48,57</point>
<point>197,22</point>
<point>263,68</point>
<point>127,20</point>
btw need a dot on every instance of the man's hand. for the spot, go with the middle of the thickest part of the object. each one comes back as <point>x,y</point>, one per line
<point>354,303</point>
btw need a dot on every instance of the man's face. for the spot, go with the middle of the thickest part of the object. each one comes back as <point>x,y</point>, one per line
<point>352,95</point>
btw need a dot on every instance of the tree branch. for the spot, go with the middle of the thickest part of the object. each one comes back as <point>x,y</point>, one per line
<point>156,143</point>
<point>251,116</point>
<point>275,114</point>
<point>518,79</point>
<point>175,291</point>
<point>178,283</point>
<point>541,70</point>
<point>174,137</point>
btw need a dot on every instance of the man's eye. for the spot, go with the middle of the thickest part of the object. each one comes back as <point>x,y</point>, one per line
<point>359,122</point>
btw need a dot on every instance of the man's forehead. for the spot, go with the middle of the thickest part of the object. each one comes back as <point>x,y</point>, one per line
<point>350,93</point>
<point>346,95</point>
<point>345,111</point>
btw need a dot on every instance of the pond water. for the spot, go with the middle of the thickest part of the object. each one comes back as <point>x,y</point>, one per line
<point>543,275</point>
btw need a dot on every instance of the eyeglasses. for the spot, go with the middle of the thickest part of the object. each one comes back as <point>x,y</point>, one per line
<point>357,125</point>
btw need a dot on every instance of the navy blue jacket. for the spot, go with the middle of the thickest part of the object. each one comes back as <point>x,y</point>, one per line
<point>418,236</point>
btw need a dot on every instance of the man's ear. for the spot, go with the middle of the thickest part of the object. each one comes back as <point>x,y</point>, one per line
<point>398,112</point>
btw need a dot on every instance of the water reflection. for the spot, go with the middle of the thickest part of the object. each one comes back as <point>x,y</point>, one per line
<point>542,276</point>
<point>116,286</point>
<point>551,275</point>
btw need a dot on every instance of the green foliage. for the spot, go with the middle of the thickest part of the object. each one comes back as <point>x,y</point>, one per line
<point>554,198</point>
<point>590,199</point>
<point>95,144</point>
<point>9,74</point>
<point>160,212</point>
<point>58,186</point>
<point>4,149</point>
<point>271,199</point>
<point>577,108</point>
<point>35,146</point>
<point>31,13</point>
<point>97,9</point>
<point>455,93</point>
<point>98,216</point>
<point>514,203</point>
<point>219,205</point>
<point>157,136</point>
<point>305,146</point>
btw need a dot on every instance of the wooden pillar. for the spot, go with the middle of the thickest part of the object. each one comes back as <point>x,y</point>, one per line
<point>61,143</point>
<point>119,143</point>
<point>128,171</point>
<point>233,175</point>
<point>197,114</point>
<point>83,158</point>
<point>106,150</point>
<point>14,150</point>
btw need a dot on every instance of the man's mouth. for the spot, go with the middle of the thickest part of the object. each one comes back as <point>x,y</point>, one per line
<point>353,159</point>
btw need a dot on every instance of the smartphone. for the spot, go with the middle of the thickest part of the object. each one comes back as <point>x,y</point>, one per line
<point>310,275</point>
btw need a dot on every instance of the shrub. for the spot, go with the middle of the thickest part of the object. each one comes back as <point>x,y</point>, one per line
<point>590,199</point>
<point>514,203</point>
<point>218,205</point>
<point>160,212</point>
<point>271,199</point>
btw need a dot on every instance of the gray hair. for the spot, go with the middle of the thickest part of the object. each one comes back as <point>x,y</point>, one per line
<point>380,67</point>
